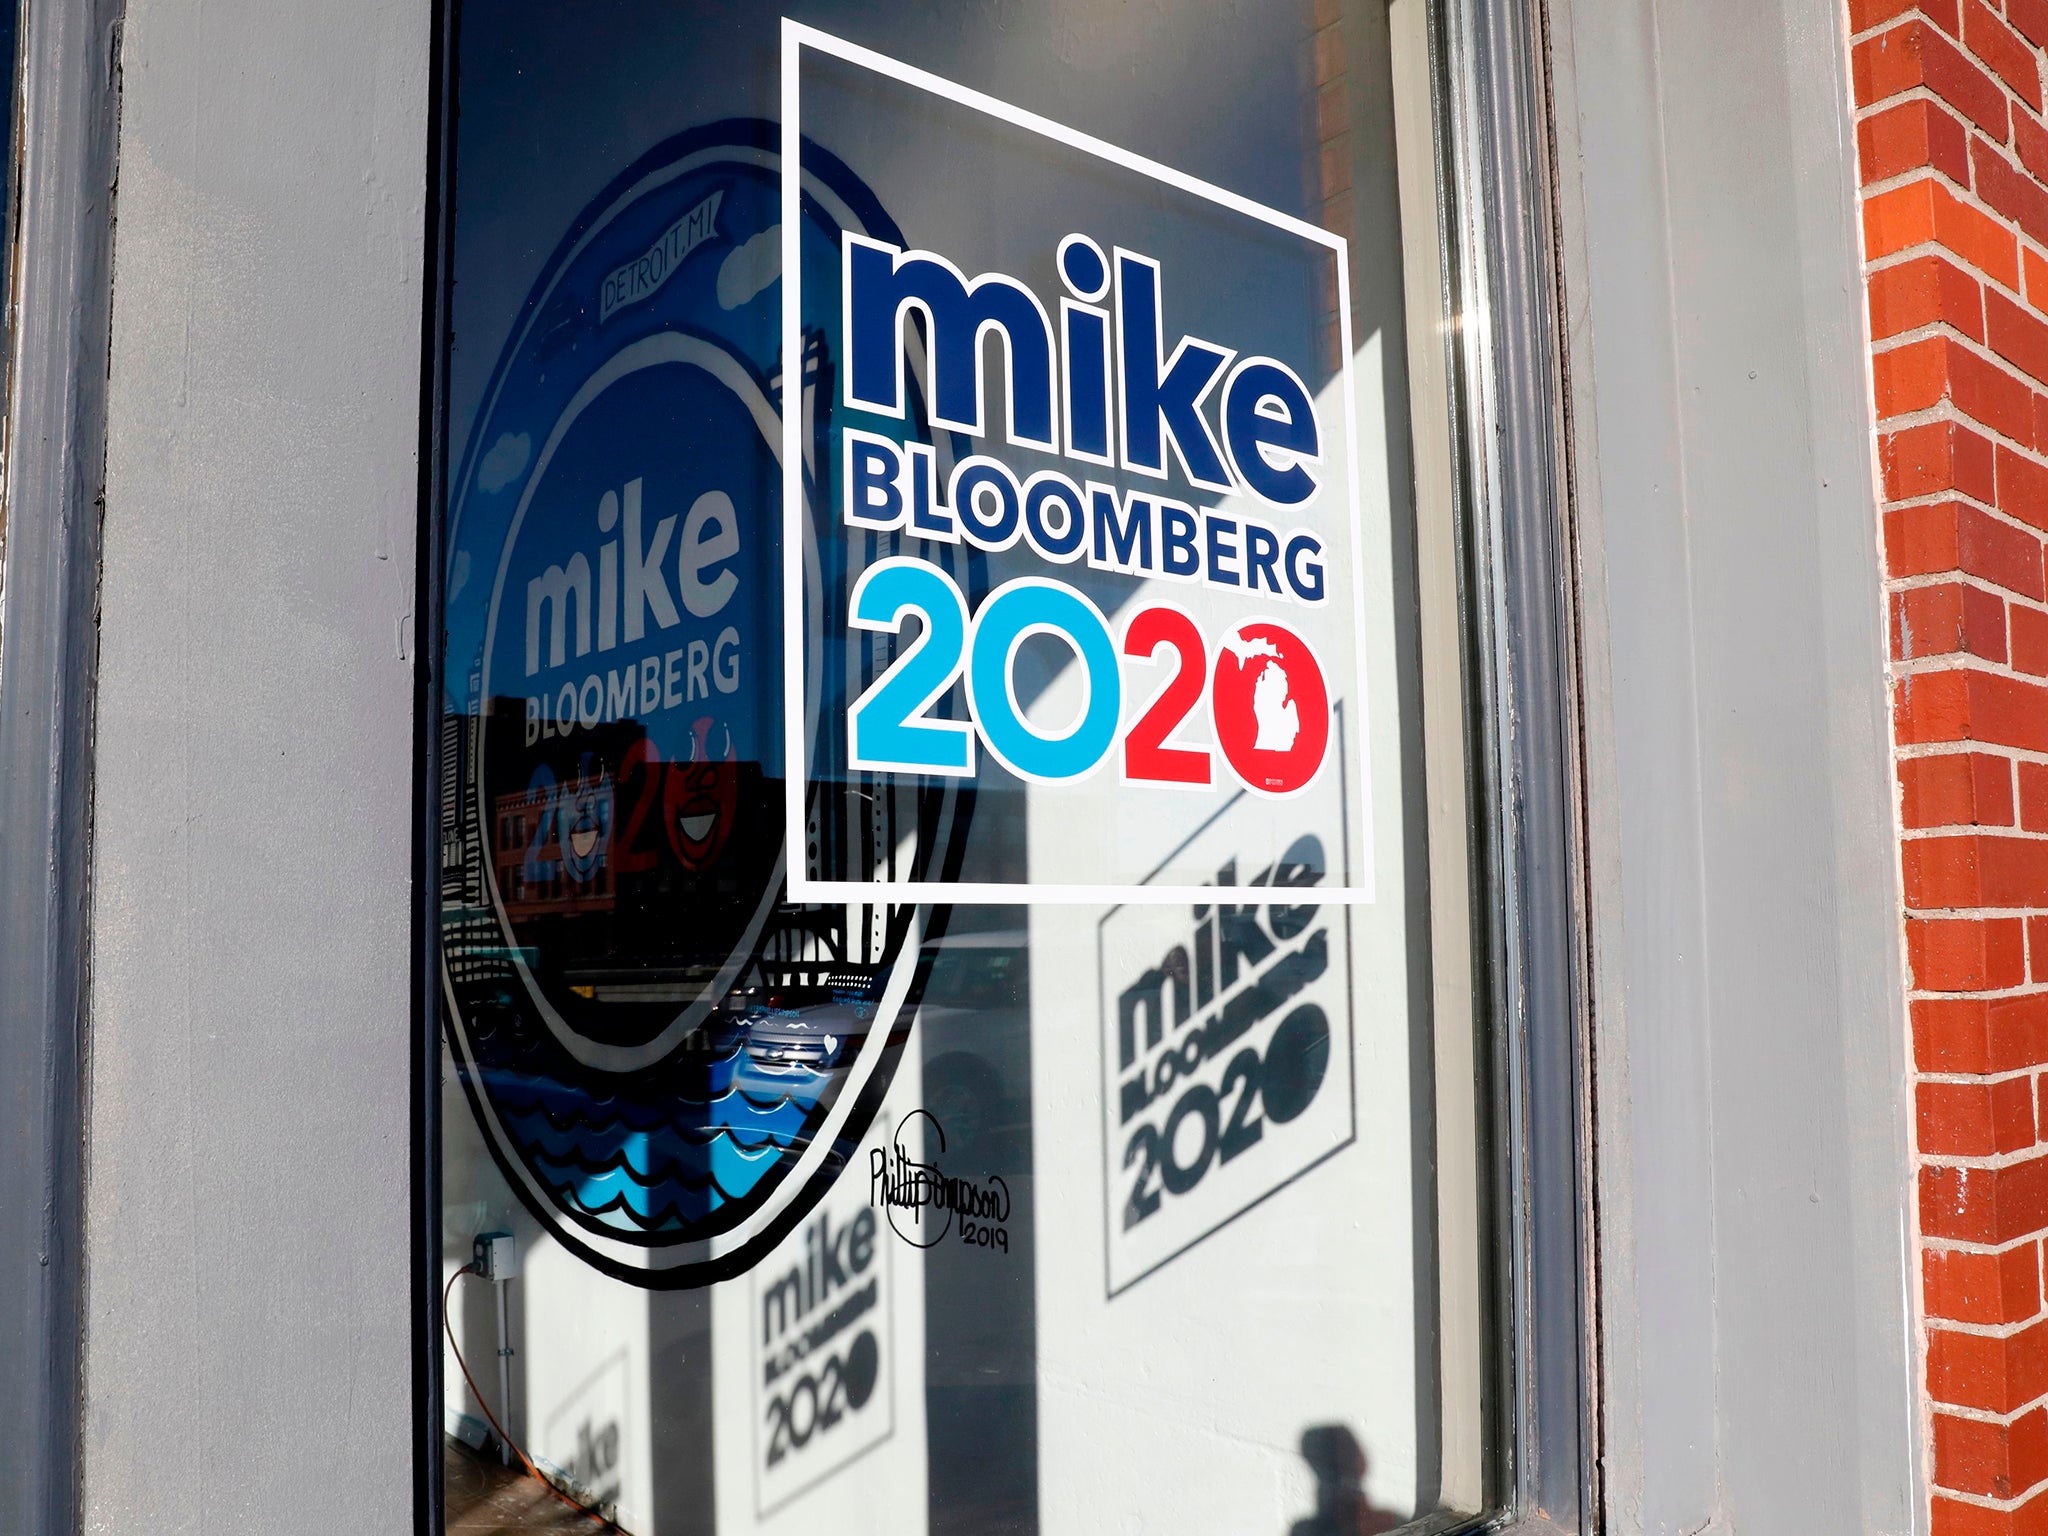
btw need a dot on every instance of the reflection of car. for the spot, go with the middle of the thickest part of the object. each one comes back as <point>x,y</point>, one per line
<point>789,1034</point>
<point>821,1036</point>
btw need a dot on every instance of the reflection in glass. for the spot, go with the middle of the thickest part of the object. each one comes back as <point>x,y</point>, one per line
<point>860,1214</point>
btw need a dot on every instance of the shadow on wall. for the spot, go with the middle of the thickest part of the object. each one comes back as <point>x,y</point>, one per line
<point>1342,1508</point>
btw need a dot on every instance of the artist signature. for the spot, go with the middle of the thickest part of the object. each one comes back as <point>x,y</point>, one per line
<point>923,1201</point>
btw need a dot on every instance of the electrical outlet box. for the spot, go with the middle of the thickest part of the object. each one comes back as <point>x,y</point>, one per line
<point>497,1255</point>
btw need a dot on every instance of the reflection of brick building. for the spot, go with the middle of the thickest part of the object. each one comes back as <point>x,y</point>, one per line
<point>536,873</point>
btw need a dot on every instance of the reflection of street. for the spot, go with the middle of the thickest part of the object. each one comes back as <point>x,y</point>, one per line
<point>549,851</point>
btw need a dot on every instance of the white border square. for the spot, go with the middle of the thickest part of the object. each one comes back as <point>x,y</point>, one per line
<point>802,888</point>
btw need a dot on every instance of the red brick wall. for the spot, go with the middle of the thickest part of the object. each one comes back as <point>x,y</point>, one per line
<point>1954,163</point>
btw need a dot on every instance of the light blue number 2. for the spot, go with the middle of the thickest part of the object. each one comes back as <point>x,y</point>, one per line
<point>886,727</point>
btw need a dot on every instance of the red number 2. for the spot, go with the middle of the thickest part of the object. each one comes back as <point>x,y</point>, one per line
<point>628,857</point>
<point>1146,755</point>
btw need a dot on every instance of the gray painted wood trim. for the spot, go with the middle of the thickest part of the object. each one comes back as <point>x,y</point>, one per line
<point>48,652</point>
<point>249,1334</point>
<point>1759,1343</point>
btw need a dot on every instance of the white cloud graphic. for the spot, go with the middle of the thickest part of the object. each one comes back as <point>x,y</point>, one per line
<point>501,466</point>
<point>748,269</point>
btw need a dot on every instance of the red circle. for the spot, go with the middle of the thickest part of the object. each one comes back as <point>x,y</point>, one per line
<point>1271,707</point>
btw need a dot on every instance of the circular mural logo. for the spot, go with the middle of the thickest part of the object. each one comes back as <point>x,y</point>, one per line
<point>669,1062</point>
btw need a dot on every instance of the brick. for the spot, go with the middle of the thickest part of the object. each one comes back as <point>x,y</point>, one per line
<point>1927,290</point>
<point>2031,18</point>
<point>1914,135</point>
<point>1953,536</point>
<point>2029,639</point>
<point>1975,869</point>
<point>1999,553</point>
<point>1989,396</point>
<point>1336,166</point>
<point>1975,1370</point>
<point>1923,541</point>
<point>1329,55</point>
<point>2030,143</point>
<point>2017,336</point>
<point>1865,14</point>
<point>1991,1288</point>
<point>1996,44</point>
<point>1957,789</point>
<point>1968,705</point>
<point>1992,1460</point>
<point>1980,1034</point>
<point>1921,374</point>
<point>1925,210</point>
<point>1976,1120</point>
<point>1986,393</point>
<point>1914,53</point>
<point>2010,190</point>
<point>1946,620</point>
<point>2033,796</point>
<point>2022,486</point>
<point>1965,954</point>
<point>1954,1517</point>
<point>2037,948</point>
<point>1984,1205</point>
<point>1938,456</point>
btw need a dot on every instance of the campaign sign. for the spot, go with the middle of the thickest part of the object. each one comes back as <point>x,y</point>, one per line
<point>824,1346</point>
<point>669,1060</point>
<point>1226,1045</point>
<point>1140,424</point>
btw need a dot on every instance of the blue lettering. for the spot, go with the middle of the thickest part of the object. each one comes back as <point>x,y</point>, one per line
<point>1178,552</point>
<point>881,282</point>
<point>1163,403</point>
<point>925,519</point>
<point>1123,539</point>
<point>1305,567</point>
<point>1261,556</point>
<point>1268,417</point>
<point>1046,490</point>
<point>874,498</point>
<point>1219,529</point>
<point>977,482</point>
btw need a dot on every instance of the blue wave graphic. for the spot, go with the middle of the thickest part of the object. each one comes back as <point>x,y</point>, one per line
<point>645,1162</point>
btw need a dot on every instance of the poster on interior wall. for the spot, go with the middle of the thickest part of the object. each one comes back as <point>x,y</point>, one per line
<point>1226,1046</point>
<point>1153,477</point>
<point>817,1370</point>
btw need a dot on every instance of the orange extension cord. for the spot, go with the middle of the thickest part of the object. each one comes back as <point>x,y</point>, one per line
<point>505,1439</point>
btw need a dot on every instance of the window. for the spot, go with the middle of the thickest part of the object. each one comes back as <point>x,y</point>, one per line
<point>984,983</point>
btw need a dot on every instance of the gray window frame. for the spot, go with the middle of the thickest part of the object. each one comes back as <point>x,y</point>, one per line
<point>59,230</point>
<point>1511,458</point>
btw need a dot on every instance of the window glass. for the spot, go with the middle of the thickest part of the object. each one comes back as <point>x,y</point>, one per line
<point>10,55</point>
<point>957,1001</point>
